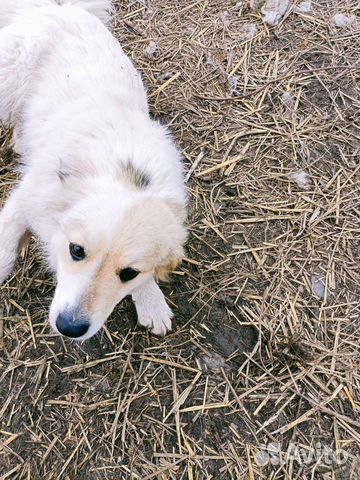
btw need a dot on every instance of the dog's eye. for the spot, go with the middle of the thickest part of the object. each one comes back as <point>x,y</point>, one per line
<point>77,252</point>
<point>128,274</point>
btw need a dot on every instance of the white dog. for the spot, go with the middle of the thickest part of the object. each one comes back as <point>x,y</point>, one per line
<point>101,183</point>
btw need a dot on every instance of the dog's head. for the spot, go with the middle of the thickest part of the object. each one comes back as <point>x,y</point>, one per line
<point>106,247</point>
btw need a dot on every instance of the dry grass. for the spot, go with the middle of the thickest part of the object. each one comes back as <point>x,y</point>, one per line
<point>257,356</point>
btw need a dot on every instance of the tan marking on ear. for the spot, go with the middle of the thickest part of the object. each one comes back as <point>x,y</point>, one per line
<point>162,272</point>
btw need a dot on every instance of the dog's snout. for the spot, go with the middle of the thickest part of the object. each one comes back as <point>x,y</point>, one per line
<point>72,325</point>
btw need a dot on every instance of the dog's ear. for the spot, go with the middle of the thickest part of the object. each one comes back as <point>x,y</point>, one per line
<point>163,271</point>
<point>174,235</point>
<point>158,227</point>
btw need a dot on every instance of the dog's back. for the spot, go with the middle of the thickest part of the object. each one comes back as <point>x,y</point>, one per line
<point>29,31</point>
<point>11,9</point>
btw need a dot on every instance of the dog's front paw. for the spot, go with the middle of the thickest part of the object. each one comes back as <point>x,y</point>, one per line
<point>156,319</point>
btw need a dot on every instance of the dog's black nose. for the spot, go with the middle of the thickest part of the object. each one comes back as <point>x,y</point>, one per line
<point>71,325</point>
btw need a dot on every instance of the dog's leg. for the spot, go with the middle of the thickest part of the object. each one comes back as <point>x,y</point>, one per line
<point>12,228</point>
<point>152,310</point>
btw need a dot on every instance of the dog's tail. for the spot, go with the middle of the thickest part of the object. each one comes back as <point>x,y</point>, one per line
<point>10,9</point>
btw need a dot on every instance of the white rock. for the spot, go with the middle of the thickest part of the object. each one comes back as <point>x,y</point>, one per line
<point>304,7</point>
<point>249,31</point>
<point>288,100</point>
<point>147,13</point>
<point>150,49</point>
<point>233,82</point>
<point>302,179</point>
<point>225,17</point>
<point>274,10</point>
<point>317,285</point>
<point>342,21</point>
<point>211,61</point>
<point>256,4</point>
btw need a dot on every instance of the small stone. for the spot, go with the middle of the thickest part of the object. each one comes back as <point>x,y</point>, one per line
<point>342,21</point>
<point>288,100</point>
<point>274,10</point>
<point>225,17</point>
<point>231,191</point>
<point>249,31</point>
<point>147,13</point>
<point>304,7</point>
<point>318,287</point>
<point>256,4</point>
<point>302,179</point>
<point>233,83</point>
<point>150,49</point>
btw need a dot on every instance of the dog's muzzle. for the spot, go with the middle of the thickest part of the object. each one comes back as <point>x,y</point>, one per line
<point>71,324</point>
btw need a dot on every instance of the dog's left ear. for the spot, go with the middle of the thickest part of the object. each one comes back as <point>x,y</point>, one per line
<point>163,271</point>
<point>174,236</point>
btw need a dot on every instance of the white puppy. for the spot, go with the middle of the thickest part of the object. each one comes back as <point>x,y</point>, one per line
<point>101,183</point>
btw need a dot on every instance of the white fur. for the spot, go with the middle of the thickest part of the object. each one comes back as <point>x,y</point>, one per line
<point>152,310</point>
<point>80,113</point>
<point>11,9</point>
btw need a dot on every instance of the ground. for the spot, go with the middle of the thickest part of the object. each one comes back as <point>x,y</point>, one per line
<point>259,379</point>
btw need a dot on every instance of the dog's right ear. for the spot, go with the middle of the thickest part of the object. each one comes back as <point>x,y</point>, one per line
<point>163,271</point>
